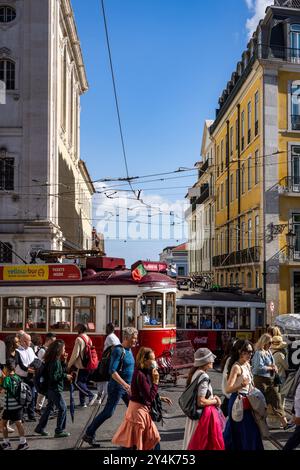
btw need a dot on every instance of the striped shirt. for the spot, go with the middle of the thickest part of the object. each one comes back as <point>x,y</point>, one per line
<point>9,385</point>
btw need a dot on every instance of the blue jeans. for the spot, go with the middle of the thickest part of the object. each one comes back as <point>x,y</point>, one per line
<point>54,399</point>
<point>81,383</point>
<point>115,393</point>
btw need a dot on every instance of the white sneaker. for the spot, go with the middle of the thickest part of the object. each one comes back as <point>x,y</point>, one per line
<point>10,429</point>
<point>92,401</point>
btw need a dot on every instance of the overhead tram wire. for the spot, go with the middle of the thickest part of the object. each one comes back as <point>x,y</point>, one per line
<point>117,105</point>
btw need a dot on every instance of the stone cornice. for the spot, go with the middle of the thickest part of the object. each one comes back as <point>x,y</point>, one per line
<point>86,176</point>
<point>70,24</point>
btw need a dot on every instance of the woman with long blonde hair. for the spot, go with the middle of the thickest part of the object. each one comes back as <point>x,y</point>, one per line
<point>264,370</point>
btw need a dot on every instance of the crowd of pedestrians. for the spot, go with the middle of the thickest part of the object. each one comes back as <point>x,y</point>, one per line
<point>251,374</point>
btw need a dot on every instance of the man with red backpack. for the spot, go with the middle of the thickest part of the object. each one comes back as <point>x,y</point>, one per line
<point>84,359</point>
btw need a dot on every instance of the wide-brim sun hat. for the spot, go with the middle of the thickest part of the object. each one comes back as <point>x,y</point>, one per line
<point>278,343</point>
<point>203,356</point>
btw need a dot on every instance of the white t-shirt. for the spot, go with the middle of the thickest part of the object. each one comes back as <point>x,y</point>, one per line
<point>111,340</point>
<point>297,402</point>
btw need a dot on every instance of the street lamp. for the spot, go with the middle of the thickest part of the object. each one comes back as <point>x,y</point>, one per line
<point>290,239</point>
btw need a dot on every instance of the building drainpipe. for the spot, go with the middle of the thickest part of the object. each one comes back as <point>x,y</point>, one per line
<point>239,174</point>
<point>228,185</point>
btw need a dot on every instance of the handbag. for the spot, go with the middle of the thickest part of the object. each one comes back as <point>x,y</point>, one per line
<point>188,400</point>
<point>258,402</point>
<point>156,409</point>
<point>237,412</point>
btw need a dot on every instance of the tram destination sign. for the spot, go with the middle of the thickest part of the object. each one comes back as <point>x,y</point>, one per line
<point>40,272</point>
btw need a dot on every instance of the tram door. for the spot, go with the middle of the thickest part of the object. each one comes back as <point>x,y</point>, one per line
<point>123,313</point>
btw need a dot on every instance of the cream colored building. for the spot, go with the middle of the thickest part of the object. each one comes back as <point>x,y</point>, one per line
<point>45,187</point>
<point>201,213</point>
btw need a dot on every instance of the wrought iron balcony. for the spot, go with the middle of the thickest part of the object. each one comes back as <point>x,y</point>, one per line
<point>290,184</point>
<point>282,53</point>
<point>288,254</point>
<point>248,256</point>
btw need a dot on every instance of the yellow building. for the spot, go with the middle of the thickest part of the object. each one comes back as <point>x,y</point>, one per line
<point>256,137</point>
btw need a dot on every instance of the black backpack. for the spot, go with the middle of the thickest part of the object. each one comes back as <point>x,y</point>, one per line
<point>102,374</point>
<point>42,379</point>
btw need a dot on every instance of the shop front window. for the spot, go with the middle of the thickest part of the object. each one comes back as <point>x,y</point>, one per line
<point>36,313</point>
<point>245,319</point>
<point>219,318</point>
<point>232,318</point>
<point>192,318</point>
<point>129,313</point>
<point>205,318</point>
<point>170,310</point>
<point>116,312</point>
<point>12,313</point>
<point>85,312</point>
<point>180,317</point>
<point>60,313</point>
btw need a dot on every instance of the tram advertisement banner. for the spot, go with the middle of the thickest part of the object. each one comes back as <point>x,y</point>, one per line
<point>40,272</point>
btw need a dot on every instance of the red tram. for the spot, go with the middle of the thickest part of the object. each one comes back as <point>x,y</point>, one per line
<point>57,297</point>
<point>211,318</point>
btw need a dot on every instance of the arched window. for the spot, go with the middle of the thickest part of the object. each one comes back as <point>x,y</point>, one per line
<point>8,73</point>
<point>5,252</point>
<point>7,14</point>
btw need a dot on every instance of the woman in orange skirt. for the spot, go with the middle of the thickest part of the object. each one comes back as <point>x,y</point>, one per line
<point>138,431</point>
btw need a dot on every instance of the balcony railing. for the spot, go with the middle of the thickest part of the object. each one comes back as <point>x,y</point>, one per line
<point>290,184</point>
<point>204,195</point>
<point>287,54</point>
<point>287,255</point>
<point>248,256</point>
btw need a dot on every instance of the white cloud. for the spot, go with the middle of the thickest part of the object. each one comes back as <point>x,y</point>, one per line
<point>257,8</point>
<point>119,216</point>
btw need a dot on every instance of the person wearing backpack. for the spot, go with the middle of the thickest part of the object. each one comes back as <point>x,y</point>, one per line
<point>110,342</point>
<point>50,338</point>
<point>82,342</point>
<point>208,423</point>
<point>13,410</point>
<point>121,371</point>
<point>55,375</point>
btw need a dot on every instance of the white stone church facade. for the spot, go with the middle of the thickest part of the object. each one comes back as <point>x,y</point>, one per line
<point>45,188</point>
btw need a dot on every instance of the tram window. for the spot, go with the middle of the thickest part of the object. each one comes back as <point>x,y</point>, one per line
<point>129,313</point>
<point>260,317</point>
<point>170,310</point>
<point>84,312</point>
<point>12,313</point>
<point>153,311</point>
<point>205,318</point>
<point>180,317</point>
<point>60,313</point>
<point>115,312</point>
<point>219,318</point>
<point>36,313</point>
<point>244,319</point>
<point>232,318</point>
<point>192,318</point>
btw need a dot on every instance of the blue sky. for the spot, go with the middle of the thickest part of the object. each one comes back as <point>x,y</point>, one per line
<point>172,59</point>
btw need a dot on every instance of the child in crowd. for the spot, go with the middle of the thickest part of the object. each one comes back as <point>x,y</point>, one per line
<point>13,411</point>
